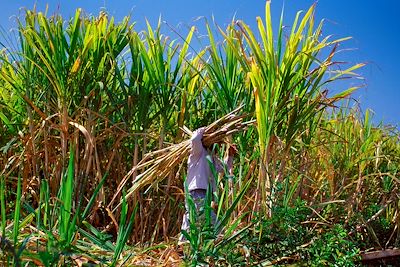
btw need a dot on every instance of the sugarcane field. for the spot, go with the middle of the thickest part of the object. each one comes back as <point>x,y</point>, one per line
<point>126,141</point>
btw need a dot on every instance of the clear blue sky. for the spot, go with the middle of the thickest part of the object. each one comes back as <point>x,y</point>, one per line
<point>374,26</point>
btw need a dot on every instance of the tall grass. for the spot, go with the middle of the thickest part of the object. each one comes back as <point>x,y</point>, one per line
<point>83,100</point>
<point>288,77</point>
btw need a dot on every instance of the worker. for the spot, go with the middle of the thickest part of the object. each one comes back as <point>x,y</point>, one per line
<point>200,176</point>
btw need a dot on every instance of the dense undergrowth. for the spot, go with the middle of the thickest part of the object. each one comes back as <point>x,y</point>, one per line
<point>83,100</point>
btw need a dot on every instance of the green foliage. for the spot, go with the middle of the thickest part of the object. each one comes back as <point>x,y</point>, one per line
<point>17,213</point>
<point>60,246</point>
<point>333,248</point>
<point>125,229</point>
<point>290,235</point>
<point>66,221</point>
<point>3,205</point>
<point>280,235</point>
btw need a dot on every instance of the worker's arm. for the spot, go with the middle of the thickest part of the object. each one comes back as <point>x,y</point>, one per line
<point>228,161</point>
<point>196,143</point>
<point>232,151</point>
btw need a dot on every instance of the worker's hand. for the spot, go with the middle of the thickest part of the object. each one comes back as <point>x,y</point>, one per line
<point>214,205</point>
<point>198,134</point>
<point>196,142</point>
<point>232,150</point>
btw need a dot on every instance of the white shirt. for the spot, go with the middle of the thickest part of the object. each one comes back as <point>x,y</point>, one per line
<point>199,174</point>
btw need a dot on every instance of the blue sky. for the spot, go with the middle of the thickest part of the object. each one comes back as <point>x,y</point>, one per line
<point>374,26</point>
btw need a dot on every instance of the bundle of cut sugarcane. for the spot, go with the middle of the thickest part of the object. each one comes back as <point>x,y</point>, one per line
<point>160,163</point>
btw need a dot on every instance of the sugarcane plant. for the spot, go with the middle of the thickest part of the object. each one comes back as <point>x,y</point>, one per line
<point>288,78</point>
